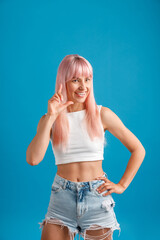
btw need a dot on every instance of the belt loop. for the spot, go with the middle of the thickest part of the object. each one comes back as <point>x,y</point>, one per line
<point>64,184</point>
<point>90,186</point>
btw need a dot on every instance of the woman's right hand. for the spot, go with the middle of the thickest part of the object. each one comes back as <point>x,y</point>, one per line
<point>55,107</point>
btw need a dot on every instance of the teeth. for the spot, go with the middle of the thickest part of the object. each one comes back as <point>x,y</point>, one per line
<point>81,94</point>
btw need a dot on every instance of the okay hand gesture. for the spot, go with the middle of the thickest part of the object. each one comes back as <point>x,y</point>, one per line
<point>55,105</point>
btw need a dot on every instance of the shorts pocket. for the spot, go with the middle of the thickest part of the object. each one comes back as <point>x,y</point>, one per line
<point>96,192</point>
<point>56,187</point>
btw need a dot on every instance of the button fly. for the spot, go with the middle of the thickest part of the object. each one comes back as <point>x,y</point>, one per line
<point>80,185</point>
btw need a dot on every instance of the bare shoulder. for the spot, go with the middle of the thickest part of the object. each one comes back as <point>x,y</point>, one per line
<point>115,126</point>
<point>110,119</point>
<point>105,117</point>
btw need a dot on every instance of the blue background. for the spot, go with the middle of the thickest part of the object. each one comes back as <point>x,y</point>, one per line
<point>121,41</point>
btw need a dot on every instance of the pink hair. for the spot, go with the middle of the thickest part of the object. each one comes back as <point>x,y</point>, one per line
<point>75,66</point>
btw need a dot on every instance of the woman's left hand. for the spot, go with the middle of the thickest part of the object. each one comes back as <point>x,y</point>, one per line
<point>110,186</point>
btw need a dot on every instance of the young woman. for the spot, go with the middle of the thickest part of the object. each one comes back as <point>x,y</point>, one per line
<point>81,195</point>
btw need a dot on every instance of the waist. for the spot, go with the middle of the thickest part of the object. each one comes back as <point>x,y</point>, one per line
<point>63,181</point>
<point>80,171</point>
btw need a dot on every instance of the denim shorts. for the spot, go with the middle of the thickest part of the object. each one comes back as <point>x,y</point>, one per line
<point>80,207</point>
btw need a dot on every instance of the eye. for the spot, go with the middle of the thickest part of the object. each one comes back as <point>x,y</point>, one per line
<point>87,79</point>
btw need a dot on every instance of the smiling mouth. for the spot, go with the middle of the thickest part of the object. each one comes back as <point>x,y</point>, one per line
<point>81,94</point>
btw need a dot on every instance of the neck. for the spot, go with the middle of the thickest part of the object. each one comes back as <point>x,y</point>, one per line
<point>76,107</point>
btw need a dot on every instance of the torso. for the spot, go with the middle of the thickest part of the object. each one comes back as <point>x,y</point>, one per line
<point>81,171</point>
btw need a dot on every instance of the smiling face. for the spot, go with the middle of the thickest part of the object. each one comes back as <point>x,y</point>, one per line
<point>78,89</point>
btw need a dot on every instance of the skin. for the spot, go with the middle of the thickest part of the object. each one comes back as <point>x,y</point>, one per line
<point>87,171</point>
<point>79,171</point>
<point>73,86</point>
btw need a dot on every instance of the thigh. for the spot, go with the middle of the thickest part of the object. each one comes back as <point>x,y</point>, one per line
<point>105,232</point>
<point>54,232</point>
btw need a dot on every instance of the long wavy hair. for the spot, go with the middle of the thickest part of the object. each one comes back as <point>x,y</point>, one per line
<point>74,65</point>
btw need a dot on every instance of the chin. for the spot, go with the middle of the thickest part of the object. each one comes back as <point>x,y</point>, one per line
<point>80,100</point>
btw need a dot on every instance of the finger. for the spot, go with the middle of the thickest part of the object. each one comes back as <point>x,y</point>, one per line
<point>103,178</point>
<point>104,189</point>
<point>55,99</point>
<point>107,193</point>
<point>106,185</point>
<point>61,96</point>
<point>55,94</point>
<point>99,177</point>
<point>67,104</point>
<point>60,88</point>
<point>100,187</point>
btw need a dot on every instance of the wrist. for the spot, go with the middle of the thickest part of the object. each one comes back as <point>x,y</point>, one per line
<point>125,187</point>
<point>50,118</point>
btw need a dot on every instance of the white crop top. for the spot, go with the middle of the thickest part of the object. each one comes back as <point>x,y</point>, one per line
<point>80,147</point>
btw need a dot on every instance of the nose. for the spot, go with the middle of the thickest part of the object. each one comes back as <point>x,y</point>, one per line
<point>82,86</point>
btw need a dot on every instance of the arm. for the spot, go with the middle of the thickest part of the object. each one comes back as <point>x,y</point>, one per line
<point>115,126</point>
<point>37,148</point>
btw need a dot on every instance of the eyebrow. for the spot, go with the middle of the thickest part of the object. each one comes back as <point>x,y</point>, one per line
<point>79,77</point>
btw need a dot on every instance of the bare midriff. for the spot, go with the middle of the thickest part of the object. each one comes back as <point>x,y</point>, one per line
<point>80,171</point>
